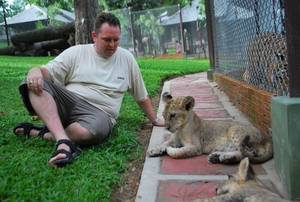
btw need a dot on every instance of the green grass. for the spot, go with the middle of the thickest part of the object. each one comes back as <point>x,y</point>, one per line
<point>24,171</point>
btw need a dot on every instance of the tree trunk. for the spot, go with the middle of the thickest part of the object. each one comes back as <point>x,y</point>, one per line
<point>9,50</point>
<point>36,49</point>
<point>33,52</point>
<point>85,14</point>
<point>53,44</point>
<point>45,34</point>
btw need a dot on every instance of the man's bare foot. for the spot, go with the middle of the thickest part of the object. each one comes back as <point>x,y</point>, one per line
<point>27,129</point>
<point>60,155</point>
<point>65,153</point>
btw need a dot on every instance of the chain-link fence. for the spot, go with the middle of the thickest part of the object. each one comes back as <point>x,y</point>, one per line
<point>249,42</point>
<point>161,31</point>
<point>164,30</point>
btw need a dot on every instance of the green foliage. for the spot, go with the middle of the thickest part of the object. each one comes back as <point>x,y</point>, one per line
<point>201,10</point>
<point>174,2</point>
<point>16,7</point>
<point>39,25</point>
<point>138,5</point>
<point>65,4</point>
<point>24,171</point>
<point>52,11</point>
<point>149,25</point>
<point>3,10</point>
<point>10,10</point>
<point>135,5</point>
<point>104,6</point>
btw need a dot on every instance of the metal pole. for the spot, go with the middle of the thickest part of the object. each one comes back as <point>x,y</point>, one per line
<point>5,24</point>
<point>209,28</point>
<point>132,32</point>
<point>181,28</point>
<point>292,16</point>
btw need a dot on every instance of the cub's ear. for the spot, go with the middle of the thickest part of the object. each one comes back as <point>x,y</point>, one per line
<point>245,170</point>
<point>166,96</point>
<point>188,103</point>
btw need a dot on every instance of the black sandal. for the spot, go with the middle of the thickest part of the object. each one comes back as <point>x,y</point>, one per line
<point>28,127</point>
<point>75,151</point>
<point>43,131</point>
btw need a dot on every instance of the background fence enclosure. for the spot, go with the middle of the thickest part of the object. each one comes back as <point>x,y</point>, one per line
<point>249,45</point>
<point>155,31</point>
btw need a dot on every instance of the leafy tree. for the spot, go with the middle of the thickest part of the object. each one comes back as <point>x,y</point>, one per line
<point>135,5</point>
<point>53,7</point>
<point>52,11</point>
<point>139,5</point>
<point>11,10</point>
<point>174,2</point>
<point>150,26</point>
<point>65,4</point>
<point>3,9</point>
<point>103,5</point>
<point>201,10</point>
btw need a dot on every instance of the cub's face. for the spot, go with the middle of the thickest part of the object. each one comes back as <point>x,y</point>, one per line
<point>175,114</point>
<point>229,186</point>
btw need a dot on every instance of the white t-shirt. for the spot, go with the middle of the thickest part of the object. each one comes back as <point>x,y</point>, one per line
<point>101,82</point>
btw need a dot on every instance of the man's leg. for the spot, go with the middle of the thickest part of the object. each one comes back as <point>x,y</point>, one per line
<point>66,116</point>
<point>45,107</point>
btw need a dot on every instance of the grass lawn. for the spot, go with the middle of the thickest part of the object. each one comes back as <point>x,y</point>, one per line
<point>24,171</point>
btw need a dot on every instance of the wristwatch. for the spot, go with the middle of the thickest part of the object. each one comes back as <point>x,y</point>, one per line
<point>155,121</point>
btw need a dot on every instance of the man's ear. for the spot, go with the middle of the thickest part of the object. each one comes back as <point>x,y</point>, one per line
<point>188,103</point>
<point>245,170</point>
<point>94,36</point>
<point>166,96</point>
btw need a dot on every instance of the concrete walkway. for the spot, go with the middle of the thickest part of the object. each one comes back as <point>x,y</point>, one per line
<point>168,180</point>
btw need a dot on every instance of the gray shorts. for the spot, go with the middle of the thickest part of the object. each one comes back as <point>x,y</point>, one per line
<point>71,109</point>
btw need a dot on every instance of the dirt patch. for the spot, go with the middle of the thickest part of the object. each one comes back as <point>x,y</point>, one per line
<point>127,191</point>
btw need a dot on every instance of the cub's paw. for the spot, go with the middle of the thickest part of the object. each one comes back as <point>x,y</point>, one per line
<point>213,158</point>
<point>154,152</point>
<point>170,150</point>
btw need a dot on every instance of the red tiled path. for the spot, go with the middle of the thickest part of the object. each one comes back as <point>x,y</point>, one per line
<point>199,166</point>
<point>181,190</point>
<point>207,106</point>
<point>182,180</point>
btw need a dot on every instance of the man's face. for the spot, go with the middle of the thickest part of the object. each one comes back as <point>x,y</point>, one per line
<point>107,40</point>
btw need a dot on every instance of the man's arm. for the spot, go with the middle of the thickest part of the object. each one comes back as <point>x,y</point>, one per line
<point>148,110</point>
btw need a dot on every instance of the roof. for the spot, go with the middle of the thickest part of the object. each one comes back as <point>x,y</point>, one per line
<point>37,13</point>
<point>189,14</point>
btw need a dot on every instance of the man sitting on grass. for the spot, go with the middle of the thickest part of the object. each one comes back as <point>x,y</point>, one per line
<point>78,95</point>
